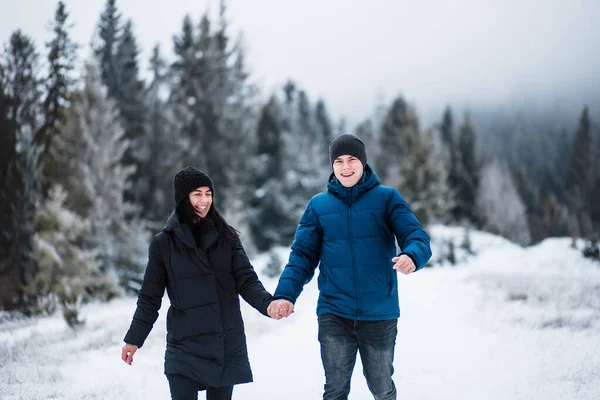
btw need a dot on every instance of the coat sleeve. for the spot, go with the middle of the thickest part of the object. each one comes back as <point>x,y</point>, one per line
<point>246,281</point>
<point>412,239</point>
<point>149,297</point>
<point>304,257</point>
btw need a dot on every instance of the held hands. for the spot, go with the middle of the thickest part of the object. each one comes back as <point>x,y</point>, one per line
<point>404,264</point>
<point>280,309</point>
<point>128,352</point>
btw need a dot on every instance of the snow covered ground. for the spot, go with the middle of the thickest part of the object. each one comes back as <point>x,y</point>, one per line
<point>506,323</point>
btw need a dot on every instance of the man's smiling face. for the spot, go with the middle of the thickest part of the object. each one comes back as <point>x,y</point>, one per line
<point>348,170</point>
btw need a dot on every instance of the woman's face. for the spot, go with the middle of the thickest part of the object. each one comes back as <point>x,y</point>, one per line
<point>201,199</point>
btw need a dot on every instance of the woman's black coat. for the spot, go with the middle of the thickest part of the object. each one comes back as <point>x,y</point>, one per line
<point>205,332</point>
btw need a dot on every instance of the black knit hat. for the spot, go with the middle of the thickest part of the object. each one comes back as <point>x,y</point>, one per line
<point>188,179</point>
<point>347,144</point>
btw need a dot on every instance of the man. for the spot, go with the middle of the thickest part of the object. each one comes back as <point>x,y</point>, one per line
<point>348,231</point>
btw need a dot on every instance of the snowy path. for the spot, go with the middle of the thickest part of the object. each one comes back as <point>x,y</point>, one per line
<point>458,339</point>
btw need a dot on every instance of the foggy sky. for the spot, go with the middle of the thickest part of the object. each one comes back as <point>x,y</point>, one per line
<point>466,53</point>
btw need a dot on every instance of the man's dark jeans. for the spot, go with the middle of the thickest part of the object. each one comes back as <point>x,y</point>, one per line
<point>340,340</point>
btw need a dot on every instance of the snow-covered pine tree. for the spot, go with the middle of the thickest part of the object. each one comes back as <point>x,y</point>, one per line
<point>161,162</point>
<point>424,179</point>
<point>207,79</point>
<point>323,125</point>
<point>366,132</point>
<point>68,270</point>
<point>20,119</point>
<point>450,155</point>
<point>59,84</point>
<point>399,130</point>
<point>499,205</point>
<point>105,46</point>
<point>579,178</point>
<point>468,172</point>
<point>98,180</point>
<point>271,221</point>
<point>129,97</point>
<point>238,126</point>
<point>186,129</point>
<point>309,167</point>
<point>595,194</point>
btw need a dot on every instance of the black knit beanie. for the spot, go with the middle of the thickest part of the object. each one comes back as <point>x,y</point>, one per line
<point>188,179</point>
<point>347,144</point>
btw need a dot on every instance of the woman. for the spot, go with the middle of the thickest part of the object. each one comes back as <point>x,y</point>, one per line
<point>200,260</point>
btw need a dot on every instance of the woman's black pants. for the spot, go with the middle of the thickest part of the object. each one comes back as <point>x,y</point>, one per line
<point>184,388</point>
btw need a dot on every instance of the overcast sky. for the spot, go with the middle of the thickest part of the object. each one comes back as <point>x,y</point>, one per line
<point>352,53</point>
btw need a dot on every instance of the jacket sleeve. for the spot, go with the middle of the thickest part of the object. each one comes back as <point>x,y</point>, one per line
<point>246,281</point>
<point>149,297</point>
<point>412,239</point>
<point>304,257</point>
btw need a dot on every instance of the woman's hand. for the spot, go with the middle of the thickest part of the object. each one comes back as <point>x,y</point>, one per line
<point>128,352</point>
<point>280,309</point>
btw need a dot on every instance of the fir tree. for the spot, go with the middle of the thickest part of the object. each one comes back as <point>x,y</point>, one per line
<point>578,177</point>
<point>99,180</point>
<point>105,48</point>
<point>163,152</point>
<point>366,133</point>
<point>499,205</point>
<point>451,156</point>
<point>59,86</point>
<point>323,125</point>
<point>212,103</point>
<point>424,181</point>
<point>269,218</point>
<point>400,129</point>
<point>129,98</point>
<point>68,270</point>
<point>20,119</point>
<point>467,173</point>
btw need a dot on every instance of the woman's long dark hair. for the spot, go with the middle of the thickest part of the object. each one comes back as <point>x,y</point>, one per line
<point>188,215</point>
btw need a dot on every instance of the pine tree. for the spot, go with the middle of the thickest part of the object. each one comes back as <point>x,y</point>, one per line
<point>182,96</point>
<point>163,152</point>
<point>20,119</point>
<point>400,129</point>
<point>323,125</point>
<point>130,101</point>
<point>366,133</point>
<point>578,177</point>
<point>105,47</point>
<point>451,154</point>
<point>424,181</point>
<point>238,125</point>
<point>309,167</point>
<point>97,193</point>
<point>203,88</point>
<point>59,86</point>
<point>68,270</point>
<point>468,171</point>
<point>269,218</point>
<point>499,205</point>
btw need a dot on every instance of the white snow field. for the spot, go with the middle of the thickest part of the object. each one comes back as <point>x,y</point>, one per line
<point>508,323</point>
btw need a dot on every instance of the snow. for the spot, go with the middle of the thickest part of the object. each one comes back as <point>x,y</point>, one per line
<point>506,323</point>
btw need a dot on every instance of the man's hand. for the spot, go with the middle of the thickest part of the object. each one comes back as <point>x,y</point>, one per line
<point>404,264</point>
<point>128,352</point>
<point>280,309</point>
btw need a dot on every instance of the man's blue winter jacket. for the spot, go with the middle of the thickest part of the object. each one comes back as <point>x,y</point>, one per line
<point>349,233</point>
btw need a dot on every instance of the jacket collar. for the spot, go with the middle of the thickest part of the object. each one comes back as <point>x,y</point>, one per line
<point>368,181</point>
<point>183,232</point>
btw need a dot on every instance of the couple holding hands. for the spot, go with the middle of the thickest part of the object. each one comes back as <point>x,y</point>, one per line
<point>349,231</point>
